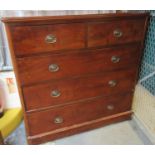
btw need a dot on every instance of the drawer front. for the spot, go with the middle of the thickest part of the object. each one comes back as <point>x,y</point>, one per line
<point>47,38</point>
<point>64,116</point>
<point>116,32</point>
<point>42,68</point>
<point>64,91</point>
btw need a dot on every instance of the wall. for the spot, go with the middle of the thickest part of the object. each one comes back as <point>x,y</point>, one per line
<point>144,98</point>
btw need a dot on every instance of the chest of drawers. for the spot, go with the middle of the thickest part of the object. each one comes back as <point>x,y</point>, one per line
<point>75,73</point>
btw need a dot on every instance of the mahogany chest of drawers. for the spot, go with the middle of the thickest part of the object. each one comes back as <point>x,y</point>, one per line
<point>75,73</point>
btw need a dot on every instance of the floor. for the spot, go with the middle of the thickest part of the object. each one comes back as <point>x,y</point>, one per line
<point>123,133</point>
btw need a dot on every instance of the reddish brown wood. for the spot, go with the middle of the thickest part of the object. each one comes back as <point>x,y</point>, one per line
<point>35,69</point>
<point>42,20</point>
<point>74,129</point>
<point>41,122</point>
<point>100,34</point>
<point>78,67</point>
<point>31,39</point>
<point>72,90</point>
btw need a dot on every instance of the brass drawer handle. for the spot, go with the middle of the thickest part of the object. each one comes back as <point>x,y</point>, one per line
<point>115,59</point>
<point>58,120</point>
<point>55,93</point>
<point>53,68</point>
<point>112,83</point>
<point>117,33</point>
<point>50,39</point>
<point>110,107</point>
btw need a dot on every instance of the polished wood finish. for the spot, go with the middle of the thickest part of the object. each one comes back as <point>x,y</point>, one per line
<point>42,20</point>
<point>33,38</point>
<point>100,34</point>
<point>73,90</point>
<point>36,69</point>
<point>83,79</point>
<point>86,126</point>
<point>41,122</point>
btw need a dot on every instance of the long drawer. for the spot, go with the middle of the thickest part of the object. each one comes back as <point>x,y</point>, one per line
<point>51,67</point>
<point>73,90</point>
<point>45,121</point>
<point>115,32</point>
<point>47,38</point>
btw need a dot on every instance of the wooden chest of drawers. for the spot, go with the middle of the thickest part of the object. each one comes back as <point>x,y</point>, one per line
<point>75,73</point>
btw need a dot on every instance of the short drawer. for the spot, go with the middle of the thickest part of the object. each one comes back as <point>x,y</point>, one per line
<point>47,38</point>
<point>72,90</point>
<point>115,32</point>
<point>52,67</point>
<point>60,117</point>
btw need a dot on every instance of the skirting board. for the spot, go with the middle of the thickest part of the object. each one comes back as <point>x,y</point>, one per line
<point>144,111</point>
<point>142,131</point>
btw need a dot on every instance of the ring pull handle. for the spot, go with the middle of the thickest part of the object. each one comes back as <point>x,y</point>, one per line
<point>53,68</point>
<point>115,59</point>
<point>50,39</point>
<point>117,33</point>
<point>58,120</point>
<point>112,83</point>
<point>55,93</point>
<point>110,107</point>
